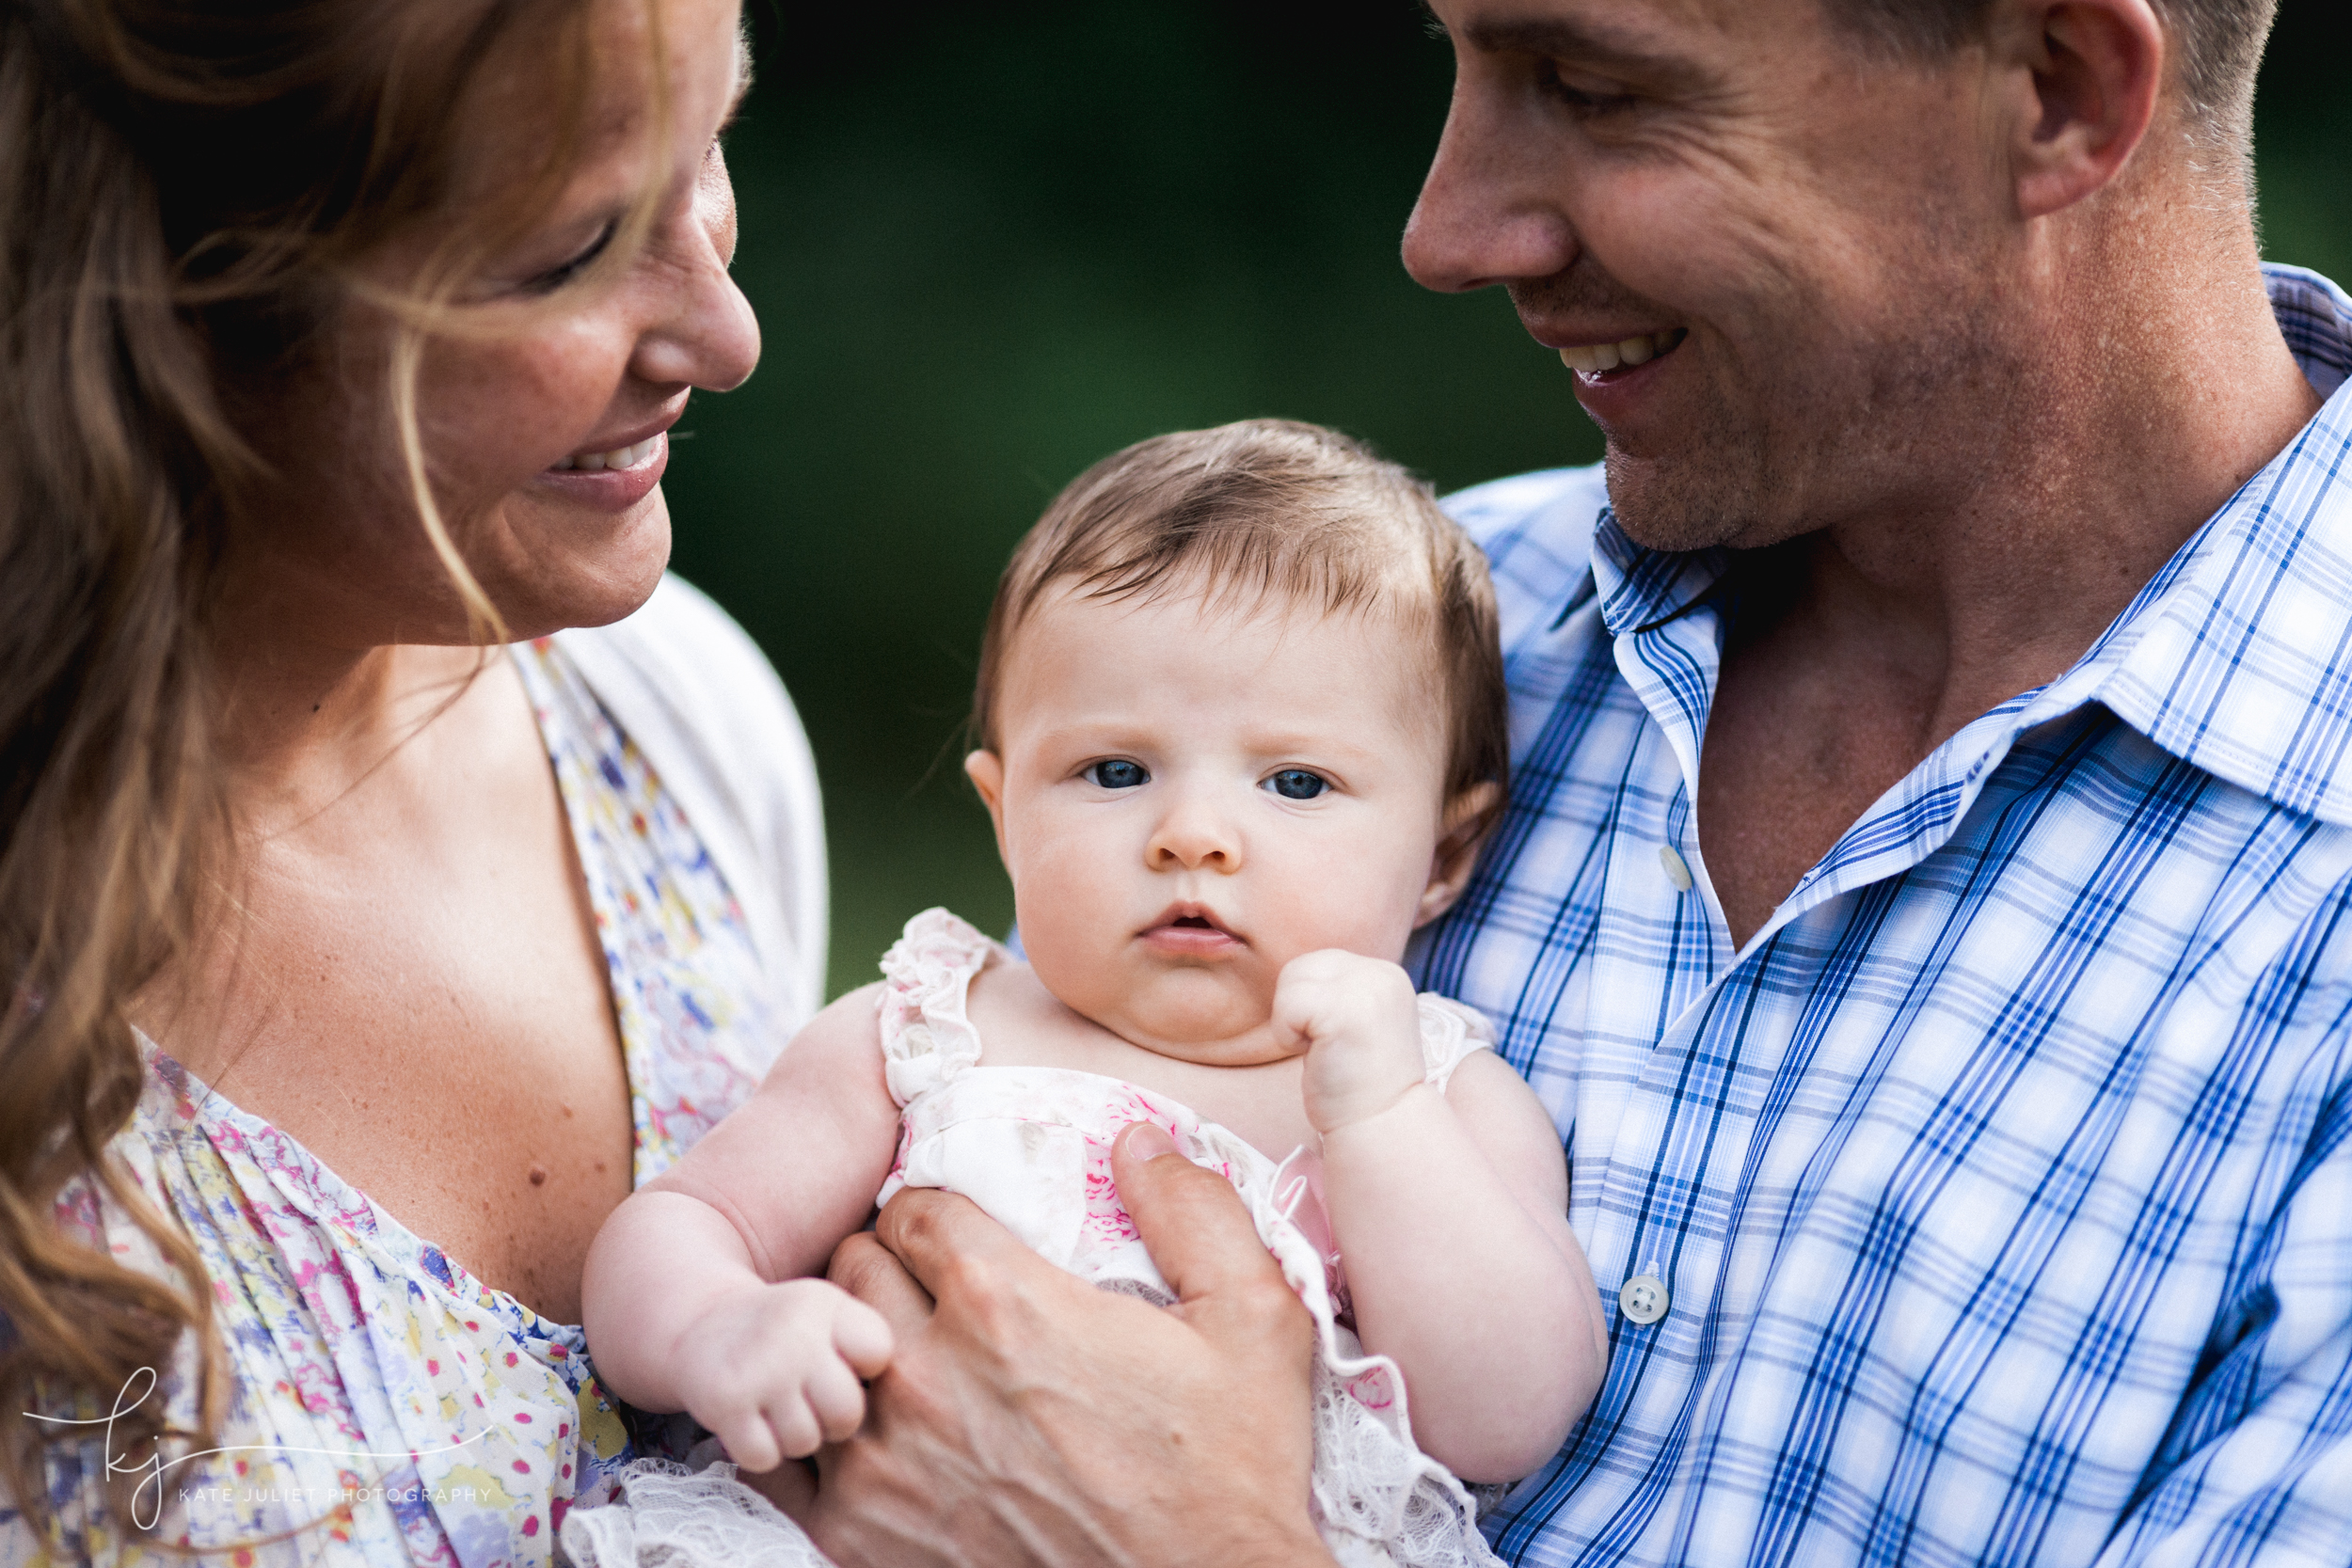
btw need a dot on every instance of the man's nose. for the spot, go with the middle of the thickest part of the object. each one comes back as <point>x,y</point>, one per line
<point>1490,209</point>
<point>1194,835</point>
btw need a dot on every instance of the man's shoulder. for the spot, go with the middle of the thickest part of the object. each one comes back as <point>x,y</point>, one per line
<point>1537,533</point>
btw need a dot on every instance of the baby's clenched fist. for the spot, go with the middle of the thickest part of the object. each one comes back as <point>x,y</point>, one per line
<point>776,1371</point>
<point>1361,1026</point>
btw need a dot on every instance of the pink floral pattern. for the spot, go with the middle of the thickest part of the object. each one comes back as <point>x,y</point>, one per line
<point>385,1406</point>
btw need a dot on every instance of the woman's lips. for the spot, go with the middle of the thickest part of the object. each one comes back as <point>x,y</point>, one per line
<point>595,478</point>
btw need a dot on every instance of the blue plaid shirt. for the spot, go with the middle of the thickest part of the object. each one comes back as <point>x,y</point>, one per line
<point>2000,1188</point>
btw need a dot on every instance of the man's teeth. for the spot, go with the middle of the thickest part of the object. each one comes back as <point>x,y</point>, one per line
<point>619,457</point>
<point>1593,358</point>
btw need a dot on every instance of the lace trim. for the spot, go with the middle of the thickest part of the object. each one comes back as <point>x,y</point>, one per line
<point>674,1516</point>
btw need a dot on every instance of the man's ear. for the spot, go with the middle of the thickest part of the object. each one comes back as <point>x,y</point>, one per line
<point>1469,818</point>
<point>2084,78</point>
<point>986,770</point>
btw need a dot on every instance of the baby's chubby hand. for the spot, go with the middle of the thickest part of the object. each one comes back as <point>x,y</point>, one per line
<point>775,1369</point>
<point>1357,1018</point>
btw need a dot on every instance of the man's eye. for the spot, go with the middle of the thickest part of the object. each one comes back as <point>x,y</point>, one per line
<point>1118,775</point>
<point>1296,784</point>
<point>1584,96</point>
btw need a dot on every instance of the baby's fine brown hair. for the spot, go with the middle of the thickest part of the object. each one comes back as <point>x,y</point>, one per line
<point>1272,510</point>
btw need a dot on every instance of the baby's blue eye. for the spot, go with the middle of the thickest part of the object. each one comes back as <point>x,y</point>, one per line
<point>1118,775</point>
<point>1296,784</point>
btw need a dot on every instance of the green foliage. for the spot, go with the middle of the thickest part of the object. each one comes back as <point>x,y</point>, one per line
<point>991,244</point>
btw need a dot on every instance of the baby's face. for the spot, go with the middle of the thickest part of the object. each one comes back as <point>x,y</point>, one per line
<point>1188,797</point>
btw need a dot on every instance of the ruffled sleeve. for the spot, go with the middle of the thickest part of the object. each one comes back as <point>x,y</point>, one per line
<point>927,1037</point>
<point>1449,1032</point>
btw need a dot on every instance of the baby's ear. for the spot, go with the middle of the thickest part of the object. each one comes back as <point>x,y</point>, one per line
<point>986,770</point>
<point>1469,818</point>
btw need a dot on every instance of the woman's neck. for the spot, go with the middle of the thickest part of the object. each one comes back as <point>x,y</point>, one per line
<point>300,726</point>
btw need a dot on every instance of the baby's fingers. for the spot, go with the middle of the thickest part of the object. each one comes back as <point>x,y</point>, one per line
<point>837,1401</point>
<point>749,1442</point>
<point>862,1336</point>
<point>797,1433</point>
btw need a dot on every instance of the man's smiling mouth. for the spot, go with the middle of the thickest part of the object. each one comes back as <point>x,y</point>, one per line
<point>1598,358</point>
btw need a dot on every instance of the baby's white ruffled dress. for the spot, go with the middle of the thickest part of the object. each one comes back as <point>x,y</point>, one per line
<point>1031,1146</point>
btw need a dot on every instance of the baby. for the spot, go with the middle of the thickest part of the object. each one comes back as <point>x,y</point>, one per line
<point>1240,713</point>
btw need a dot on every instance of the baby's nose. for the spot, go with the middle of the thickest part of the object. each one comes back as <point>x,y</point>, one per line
<point>1192,838</point>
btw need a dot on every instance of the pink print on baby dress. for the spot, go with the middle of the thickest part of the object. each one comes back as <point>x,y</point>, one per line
<point>1032,1146</point>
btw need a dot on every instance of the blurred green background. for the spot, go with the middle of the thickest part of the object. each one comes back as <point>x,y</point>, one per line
<point>990,244</point>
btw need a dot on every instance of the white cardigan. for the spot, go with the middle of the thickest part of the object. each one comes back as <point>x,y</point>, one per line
<point>706,710</point>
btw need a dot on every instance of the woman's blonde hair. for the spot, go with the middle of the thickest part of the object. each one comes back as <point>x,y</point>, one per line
<point>188,189</point>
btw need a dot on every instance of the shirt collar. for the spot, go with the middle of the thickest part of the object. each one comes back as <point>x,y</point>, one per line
<point>2237,656</point>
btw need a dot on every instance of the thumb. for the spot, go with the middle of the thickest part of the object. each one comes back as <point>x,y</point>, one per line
<point>1200,1236</point>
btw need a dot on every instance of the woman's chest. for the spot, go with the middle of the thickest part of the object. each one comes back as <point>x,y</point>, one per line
<point>438,1030</point>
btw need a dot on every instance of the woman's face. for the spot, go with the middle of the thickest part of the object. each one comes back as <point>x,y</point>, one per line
<point>544,421</point>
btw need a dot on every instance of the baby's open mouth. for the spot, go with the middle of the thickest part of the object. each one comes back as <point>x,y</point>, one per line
<point>1187,927</point>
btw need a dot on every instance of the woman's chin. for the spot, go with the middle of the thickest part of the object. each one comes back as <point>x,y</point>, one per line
<point>564,582</point>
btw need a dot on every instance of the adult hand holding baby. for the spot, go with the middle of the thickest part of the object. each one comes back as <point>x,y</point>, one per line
<point>995,1437</point>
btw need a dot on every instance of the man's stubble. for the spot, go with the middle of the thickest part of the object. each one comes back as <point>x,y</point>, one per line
<point>1821,423</point>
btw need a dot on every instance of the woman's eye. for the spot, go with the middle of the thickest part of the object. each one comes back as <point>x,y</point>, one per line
<point>1296,784</point>
<point>1118,775</point>
<point>556,277</point>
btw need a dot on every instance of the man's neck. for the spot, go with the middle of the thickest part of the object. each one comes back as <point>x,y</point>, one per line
<point>2137,426</point>
<point>1893,632</point>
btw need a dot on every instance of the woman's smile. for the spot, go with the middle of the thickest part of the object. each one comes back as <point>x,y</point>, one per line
<point>617,477</point>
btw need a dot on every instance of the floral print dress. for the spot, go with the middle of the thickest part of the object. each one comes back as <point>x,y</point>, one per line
<point>386,1407</point>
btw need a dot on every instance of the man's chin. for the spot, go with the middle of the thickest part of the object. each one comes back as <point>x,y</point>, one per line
<point>1664,504</point>
<point>1705,497</point>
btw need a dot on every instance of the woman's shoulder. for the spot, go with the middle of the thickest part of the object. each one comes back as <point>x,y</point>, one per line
<point>695,694</point>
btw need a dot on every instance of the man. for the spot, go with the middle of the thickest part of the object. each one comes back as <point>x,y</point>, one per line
<point>1923,897</point>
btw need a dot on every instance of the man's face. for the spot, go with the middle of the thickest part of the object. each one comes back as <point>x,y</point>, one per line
<point>1801,246</point>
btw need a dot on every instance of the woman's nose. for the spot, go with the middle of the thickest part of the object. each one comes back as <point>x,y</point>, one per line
<point>1192,836</point>
<point>709,336</point>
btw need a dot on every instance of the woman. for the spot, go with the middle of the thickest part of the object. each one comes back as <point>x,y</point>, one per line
<point>352,965</point>
<point>341,344</point>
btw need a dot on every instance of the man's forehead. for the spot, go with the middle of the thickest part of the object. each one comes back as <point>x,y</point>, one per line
<point>1631,31</point>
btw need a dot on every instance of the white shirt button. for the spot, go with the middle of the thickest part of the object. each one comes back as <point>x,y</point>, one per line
<point>1644,1299</point>
<point>1677,871</point>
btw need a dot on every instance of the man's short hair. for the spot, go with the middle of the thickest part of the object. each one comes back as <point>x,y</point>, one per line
<point>1273,511</point>
<point>2219,42</point>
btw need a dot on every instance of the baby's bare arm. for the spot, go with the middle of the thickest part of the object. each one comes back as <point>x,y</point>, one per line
<point>697,1296</point>
<point>1451,1210</point>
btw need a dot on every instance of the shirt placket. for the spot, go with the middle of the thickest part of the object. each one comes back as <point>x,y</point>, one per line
<point>1697,1033</point>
